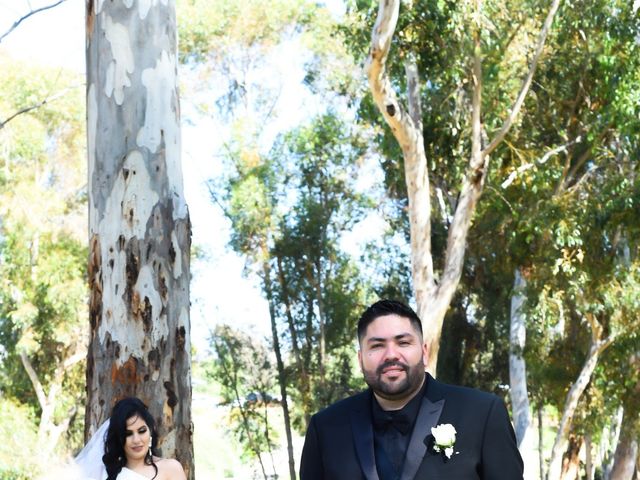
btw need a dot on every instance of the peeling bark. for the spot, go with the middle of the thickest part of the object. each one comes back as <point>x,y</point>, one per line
<point>139,227</point>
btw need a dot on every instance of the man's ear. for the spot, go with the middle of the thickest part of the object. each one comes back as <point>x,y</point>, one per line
<point>425,353</point>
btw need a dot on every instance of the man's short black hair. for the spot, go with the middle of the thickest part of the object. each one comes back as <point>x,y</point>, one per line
<point>387,307</point>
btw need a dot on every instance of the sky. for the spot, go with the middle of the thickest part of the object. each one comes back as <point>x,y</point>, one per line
<point>220,292</point>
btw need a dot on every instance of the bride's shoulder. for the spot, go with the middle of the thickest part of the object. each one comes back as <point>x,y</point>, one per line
<point>170,469</point>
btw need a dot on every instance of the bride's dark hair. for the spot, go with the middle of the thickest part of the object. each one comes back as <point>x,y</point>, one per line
<point>114,458</point>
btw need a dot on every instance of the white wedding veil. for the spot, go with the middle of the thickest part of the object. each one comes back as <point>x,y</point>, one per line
<point>89,460</point>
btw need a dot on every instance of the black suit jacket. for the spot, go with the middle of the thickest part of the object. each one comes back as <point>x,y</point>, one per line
<point>339,440</point>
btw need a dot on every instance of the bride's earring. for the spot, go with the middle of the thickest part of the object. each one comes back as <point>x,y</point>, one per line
<point>150,446</point>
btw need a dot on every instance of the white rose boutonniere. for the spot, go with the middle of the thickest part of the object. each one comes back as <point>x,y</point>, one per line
<point>444,439</point>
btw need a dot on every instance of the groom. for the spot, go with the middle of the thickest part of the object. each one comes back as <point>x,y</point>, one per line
<point>385,433</point>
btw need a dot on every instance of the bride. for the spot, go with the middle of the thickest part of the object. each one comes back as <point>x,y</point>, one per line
<point>126,445</point>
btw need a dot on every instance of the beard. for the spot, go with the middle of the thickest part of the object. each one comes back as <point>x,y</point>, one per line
<point>398,390</point>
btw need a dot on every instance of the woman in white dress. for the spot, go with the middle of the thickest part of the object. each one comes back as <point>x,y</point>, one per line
<point>130,444</point>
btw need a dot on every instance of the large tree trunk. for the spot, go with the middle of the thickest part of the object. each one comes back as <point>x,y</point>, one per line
<point>521,409</point>
<point>561,443</point>
<point>139,227</point>
<point>626,455</point>
<point>433,298</point>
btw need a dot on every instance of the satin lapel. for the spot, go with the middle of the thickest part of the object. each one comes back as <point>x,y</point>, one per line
<point>427,417</point>
<point>363,439</point>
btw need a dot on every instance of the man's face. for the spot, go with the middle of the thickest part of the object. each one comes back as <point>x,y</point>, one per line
<point>392,357</point>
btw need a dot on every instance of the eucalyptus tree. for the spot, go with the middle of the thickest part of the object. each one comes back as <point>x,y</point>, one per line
<point>568,162</point>
<point>139,228</point>
<point>235,44</point>
<point>320,289</point>
<point>572,121</point>
<point>242,365</point>
<point>288,209</point>
<point>433,292</point>
<point>42,227</point>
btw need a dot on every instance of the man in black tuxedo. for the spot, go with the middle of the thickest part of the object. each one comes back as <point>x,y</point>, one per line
<point>385,433</point>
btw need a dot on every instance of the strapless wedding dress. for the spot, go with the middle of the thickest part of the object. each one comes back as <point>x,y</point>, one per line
<point>127,474</point>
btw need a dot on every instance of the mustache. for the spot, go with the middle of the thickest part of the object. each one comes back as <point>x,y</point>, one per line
<point>391,363</point>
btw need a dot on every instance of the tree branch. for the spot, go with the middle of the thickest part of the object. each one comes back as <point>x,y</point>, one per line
<point>32,12</point>
<point>407,129</point>
<point>384,96</point>
<point>47,99</point>
<point>523,168</point>
<point>33,376</point>
<point>515,109</point>
<point>472,184</point>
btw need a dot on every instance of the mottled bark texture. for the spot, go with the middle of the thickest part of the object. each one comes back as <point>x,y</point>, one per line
<point>139,227</point>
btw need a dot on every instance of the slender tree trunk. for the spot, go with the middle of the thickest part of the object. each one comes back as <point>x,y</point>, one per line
<point>626,454</point>
<point>433,298</point>
<point>612,439</point>
<point>139,228</point>
<point>233,377</point>
<point>541,442</point>
<point>305,385</point>
<point>282,378</point>
<point>588,464</point>
<point>316,280</point>
<point>521,409</point>
<point>598,345</point>
<point>48,431</point>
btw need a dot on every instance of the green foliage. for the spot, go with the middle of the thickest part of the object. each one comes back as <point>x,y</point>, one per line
<point>210,29</point>
<point>289,210</point>
<point>43,290</point>
<point>243,367</point>
<point>19,446</point>
<point>561,197</point>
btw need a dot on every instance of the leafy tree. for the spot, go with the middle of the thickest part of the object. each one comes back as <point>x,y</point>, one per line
<point>242,366</point>
<point>43,286</point>
<point>288,210</point>
<point>319,287</point>
<point>232,45</point>
<point>569,154</point>
<point>434,292</point>
<point>18,451</point>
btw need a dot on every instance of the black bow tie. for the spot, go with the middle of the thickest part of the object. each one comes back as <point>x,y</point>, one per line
<point>398,421</point>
